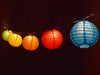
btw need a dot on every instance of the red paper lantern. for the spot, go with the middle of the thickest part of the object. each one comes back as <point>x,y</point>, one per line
<point>52,39</point>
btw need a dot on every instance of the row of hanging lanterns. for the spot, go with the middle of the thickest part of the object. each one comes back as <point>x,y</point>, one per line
<point>51,39</point>
<point>83,34</point>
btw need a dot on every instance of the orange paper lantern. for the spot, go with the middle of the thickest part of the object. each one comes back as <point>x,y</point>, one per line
<point>30,42</point>
<point>52,39</point>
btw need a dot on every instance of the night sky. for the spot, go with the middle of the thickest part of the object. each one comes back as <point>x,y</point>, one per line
<point>37,16</point>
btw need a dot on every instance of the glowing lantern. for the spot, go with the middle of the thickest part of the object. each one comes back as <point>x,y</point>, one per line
<point>30,42</point>
<point>6,34</point>
<point>15,40</point>
<point>84,34</point>
<point>52,39</point>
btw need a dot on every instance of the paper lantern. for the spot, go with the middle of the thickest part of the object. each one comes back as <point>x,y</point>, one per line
<point>52,39</point>
<point>15,40</point>
<point>6,34</point>
<point>84,34</point>
<point>30,42</point>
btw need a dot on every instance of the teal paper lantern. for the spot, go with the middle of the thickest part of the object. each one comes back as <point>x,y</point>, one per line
<point>84,34</point>
<point>6,34</point>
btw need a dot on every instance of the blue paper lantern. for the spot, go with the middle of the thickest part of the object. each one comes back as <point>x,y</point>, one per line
<point>84,34</point>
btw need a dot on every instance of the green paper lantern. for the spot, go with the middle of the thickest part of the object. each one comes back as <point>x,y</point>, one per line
<point>6,34</point>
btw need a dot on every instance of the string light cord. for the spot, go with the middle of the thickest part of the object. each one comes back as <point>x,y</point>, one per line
<point>84,18</point>
<point>5,27</point>
<point>90,15</point>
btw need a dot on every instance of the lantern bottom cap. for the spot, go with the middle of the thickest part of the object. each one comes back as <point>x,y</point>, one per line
<point>84,46</point>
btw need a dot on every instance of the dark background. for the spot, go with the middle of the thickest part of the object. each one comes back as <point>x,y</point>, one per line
<point>39,15</point>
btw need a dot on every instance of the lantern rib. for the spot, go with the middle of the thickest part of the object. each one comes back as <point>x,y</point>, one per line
<point>16,38</point>
<point>84,33</point>
<point>31,42</point>
<point>53,38</point>
<point>93,38</point>
<point>74,41</point>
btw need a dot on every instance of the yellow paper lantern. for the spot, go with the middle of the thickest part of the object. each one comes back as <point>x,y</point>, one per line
<point>15,40</point>
<point>30,42</point>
